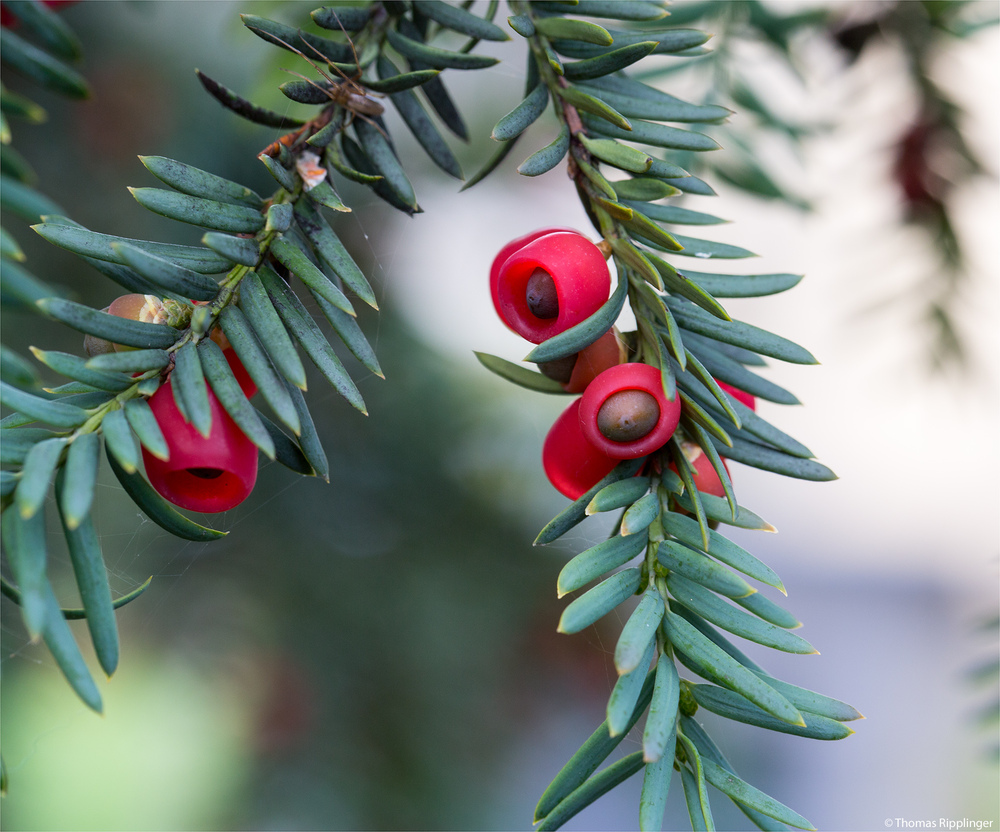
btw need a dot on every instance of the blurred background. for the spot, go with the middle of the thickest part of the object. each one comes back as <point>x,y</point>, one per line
<point>380,652</point>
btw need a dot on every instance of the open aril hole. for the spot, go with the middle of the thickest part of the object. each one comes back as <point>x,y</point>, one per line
<point>206,473</point>
<point>628,415</point>
<point>540,294</point>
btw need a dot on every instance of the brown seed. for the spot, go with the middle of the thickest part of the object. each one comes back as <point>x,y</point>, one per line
<point>206,473</point>
<point>540,293</point>
<point>628,415</point>
<point>561,369</point>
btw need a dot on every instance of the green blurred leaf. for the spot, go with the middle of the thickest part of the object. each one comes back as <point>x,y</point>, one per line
<point>404,81</point>
<point>523,115</point>
<point>614,9</point>
<point>733,706</point>
<point>309,441</point>
<point>737,333</point>
<point>625,693</point>
<point>589,756</point>
<point>599,601</point>
<point>584,333</point>
<point>700,568</point>
<point>141,419</point>
<point>617,155</point>
<point>23,200</point>
<point>308,334</point>
<point>597,560</point>
<point>332,252</point>
<point>637,636</point>
<point>710,607</point>
<point>132,361</point>
<point>159,510</point>
<point>55,413</point>
<point>634,99</point>
<point>778,462</point>
<point>420,124</point>
<point>667,42</point>
<point>342,17</point>
<point>286,450</point>
<point>254,358</point>
<point>238,249</point>
<point>36,475</point>
<point>435,57</point>
<point>308,45</point>
<point>640,515</point>
<point>89,243</point>
<point>575,512</point>
<point>79,479</point>
<point>225,386</point>
<point>119,441</point>
<point>568,29</point>
<point>243,108</point>
<point>519,375</point>
<point>742,792</point>
<point>643,189</point>
<point>207,213</point>
<point>187,382</point>
<point>382,157</point>
<point>652,133</point>
<point>661,724</point>
<point>91,576</point>
<point>618,494</point>
<point>40,66</point>
<point>737,677</point>
<point>166,275</point>
<point>47,26</point>
<point>548,157</point>
<point>271,332</point>
<point>110,327</point>
<point>24,543</point>
<point>295,260</point>
<point>195,182</point>
<point>721,548</point>
<point>743,286</point>
<point>607,63</point>
<point>459,20</point>
<point>598,785</point>
<point>76,368</point>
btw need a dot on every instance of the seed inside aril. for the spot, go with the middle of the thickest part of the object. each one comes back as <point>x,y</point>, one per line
<point>206,473</point>
<point>628,415</point>
<point>540,293</point>
<point>561,369</point>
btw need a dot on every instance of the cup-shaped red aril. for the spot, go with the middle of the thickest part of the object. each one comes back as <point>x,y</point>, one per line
<point>571,463</point>
<point>740,395</point>
<point>551,284</point>
<point>625,414</point>
<point>507,251</point>
<point>207,474</point>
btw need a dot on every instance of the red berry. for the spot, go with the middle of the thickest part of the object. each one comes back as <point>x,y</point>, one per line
<point>572,464</point>
<point>625,413</point>
<point>550,284</point>
<point>607,351</point>
<point>507,251</point>
<point>210,474</point>
<point>739,395</point>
